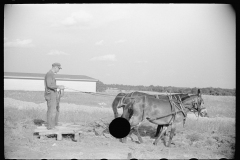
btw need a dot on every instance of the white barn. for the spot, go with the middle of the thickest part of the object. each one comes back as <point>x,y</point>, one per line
<point>35,82</point>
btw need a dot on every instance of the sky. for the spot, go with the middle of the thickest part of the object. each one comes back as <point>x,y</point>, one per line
<point>180,45</point>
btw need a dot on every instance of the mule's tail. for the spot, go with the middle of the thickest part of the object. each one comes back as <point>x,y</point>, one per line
<point>114,107</point>
<point>144,106</point>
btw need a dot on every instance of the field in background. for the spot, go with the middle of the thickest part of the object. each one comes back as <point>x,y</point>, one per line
<point>218,131</point>
<point>69,97</point>
<point>220,106</point>
<point>217,106</point>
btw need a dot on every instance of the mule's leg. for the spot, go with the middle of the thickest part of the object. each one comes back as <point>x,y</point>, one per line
<point>130,133</point>
<point>135,121</point>
<point>124,140</point>
<point>164,128</point>
<point>115,112</point>
<point>172,133</point>
<point>135,128</point>
<point>138,135</point>
<point>159,128</point>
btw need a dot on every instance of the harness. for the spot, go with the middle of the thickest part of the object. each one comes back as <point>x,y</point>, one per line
<point>173,110</point>
<point>123,98</point>
<point>195,108</point>
<point>174,106</point>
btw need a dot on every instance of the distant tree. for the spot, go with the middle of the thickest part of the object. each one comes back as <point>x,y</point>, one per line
<point>100,87</point>
<point>212,92</point>
<point>158,89</point>
<point>168,89</point>
<point>151,87</point>
<point>175,90</point>
<point>187,90</point>
<point>206,91</point>
<point>194,90</point>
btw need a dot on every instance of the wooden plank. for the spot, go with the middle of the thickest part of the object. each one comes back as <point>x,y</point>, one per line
<point>59,137</point>
<point>64,128</point>
<point>59,127</point>
<point>61,132</point>
<point>58,131</point>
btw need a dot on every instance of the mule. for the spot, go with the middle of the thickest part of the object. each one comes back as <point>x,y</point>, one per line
<point>122,99</point>
<point>185,102</point>
<point>166,112</point>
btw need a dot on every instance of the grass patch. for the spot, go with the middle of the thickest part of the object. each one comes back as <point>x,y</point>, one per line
<point>224,126</point>
<point>17,126</point>
<point>83,117</point>
<point>220,106</point>
<point>17,115</point>
<point>209,142</point>
<point>19,123</point>
<point>69,97</point>
<point>194,137</point>
<point>28,96</point>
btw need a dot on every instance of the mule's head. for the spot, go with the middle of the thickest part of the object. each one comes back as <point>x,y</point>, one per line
<point>124,101</point>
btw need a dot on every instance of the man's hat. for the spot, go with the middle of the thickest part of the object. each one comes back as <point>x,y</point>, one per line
<point>57,64</point>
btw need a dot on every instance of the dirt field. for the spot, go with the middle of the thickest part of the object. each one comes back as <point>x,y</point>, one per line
<point>202,138</point>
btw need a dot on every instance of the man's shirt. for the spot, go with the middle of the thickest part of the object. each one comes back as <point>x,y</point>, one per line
<point>50,82</point>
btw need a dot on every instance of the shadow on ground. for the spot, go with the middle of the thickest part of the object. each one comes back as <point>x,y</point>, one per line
<point>39,122</point>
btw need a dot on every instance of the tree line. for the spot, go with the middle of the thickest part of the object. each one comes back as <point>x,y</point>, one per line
<point>101,87</point>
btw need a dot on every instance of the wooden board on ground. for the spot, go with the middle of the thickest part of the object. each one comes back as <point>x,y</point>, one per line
<point>64,128</point>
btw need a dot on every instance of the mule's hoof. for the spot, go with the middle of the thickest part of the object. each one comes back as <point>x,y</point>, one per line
<point>140,140</point>
<point>154,143</point>
<point>124,140</point>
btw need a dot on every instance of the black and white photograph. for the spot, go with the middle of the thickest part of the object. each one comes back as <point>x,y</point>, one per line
<point>119,81</point>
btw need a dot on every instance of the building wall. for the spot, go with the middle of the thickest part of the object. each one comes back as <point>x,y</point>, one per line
<point>78,85</point>
<point>38,85</point>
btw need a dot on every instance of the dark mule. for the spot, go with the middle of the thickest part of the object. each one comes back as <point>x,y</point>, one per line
<point>166,112</point>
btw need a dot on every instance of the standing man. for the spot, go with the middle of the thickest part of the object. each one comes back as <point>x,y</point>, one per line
<point>50,94</point>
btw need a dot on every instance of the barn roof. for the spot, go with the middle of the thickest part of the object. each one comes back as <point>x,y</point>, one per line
<point>18,75</point>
